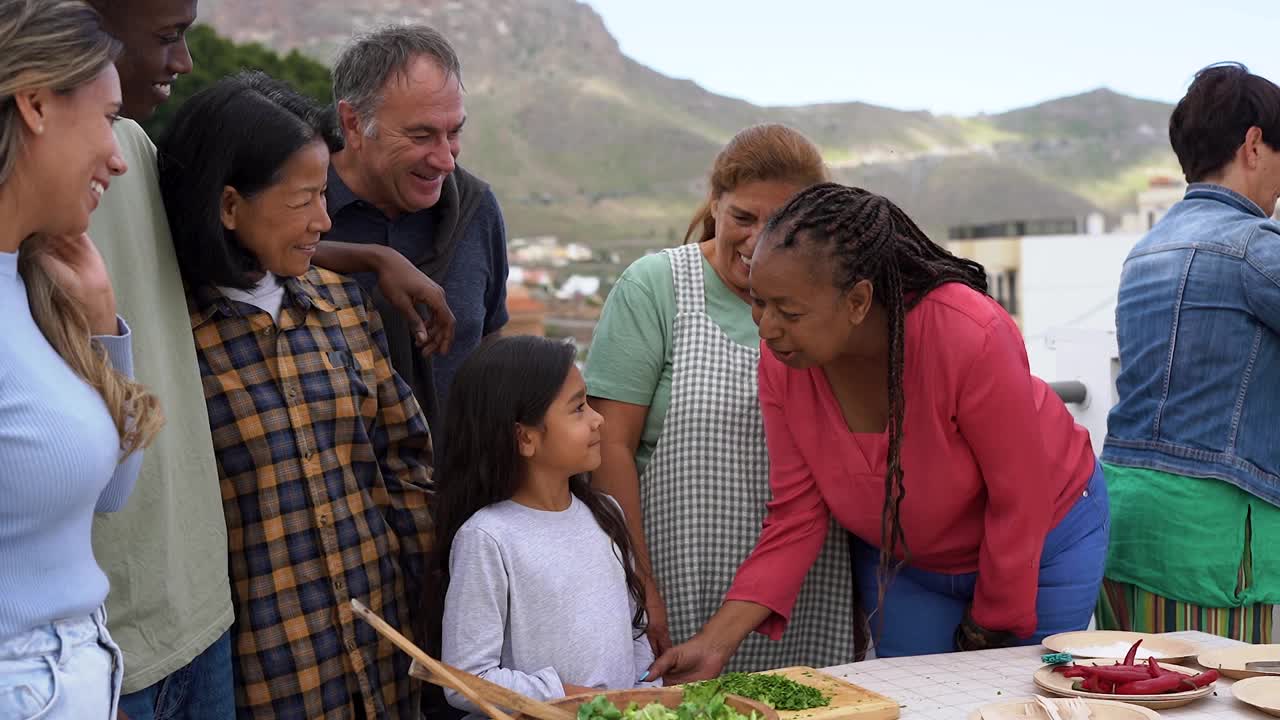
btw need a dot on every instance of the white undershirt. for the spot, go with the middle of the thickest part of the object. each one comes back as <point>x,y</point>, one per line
<point>267,294</point>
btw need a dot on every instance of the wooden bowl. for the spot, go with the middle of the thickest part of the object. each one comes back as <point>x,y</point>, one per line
<point>1099,709</point>
<point>1166,649</point>
<point>1260,692</point>
<point>671,697</point>
<point>1230,661</point>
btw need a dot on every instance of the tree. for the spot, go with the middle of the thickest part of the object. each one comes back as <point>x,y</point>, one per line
<point>216,57</point>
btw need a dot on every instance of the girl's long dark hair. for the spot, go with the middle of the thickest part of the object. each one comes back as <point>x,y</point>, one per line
<point>507,381</point>
<point>867,237</point>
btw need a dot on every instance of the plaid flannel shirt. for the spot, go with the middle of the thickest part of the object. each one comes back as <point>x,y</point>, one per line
<point>325,464</point>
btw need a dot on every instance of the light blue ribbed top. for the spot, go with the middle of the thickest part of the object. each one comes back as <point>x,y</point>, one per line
<point>59,463</point>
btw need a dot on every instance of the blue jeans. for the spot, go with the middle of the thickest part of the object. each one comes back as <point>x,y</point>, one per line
<point>66,670</point>
<point>922,608</point>
<point>203,690</point>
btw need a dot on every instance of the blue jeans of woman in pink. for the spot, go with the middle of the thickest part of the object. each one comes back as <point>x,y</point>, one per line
<point>922,608</point>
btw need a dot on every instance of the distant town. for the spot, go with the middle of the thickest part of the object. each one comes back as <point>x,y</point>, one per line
<point>1045,272</point>
<point>557,289</point>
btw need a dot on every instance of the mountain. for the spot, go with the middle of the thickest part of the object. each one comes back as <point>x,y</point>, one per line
<point>583,142</point>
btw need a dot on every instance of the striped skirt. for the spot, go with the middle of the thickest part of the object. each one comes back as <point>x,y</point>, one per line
<point>1122,606</point>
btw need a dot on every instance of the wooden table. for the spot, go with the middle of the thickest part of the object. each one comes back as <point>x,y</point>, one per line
<point>949,687</point>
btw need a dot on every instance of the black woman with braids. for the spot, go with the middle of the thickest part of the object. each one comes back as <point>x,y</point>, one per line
<point>897,399</point>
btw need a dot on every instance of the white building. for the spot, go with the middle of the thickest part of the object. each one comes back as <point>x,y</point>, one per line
<point>1068,281</point>
<point>579,286</point>
<point>547,250</point>
<point>1161,194</point>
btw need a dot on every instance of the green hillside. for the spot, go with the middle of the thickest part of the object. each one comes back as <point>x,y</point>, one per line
<point>582,142</point>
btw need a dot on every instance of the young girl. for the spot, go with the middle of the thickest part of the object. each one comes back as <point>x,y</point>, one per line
<point>534,567</point>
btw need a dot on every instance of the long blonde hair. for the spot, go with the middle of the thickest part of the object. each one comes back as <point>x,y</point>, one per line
<point>60,44</point>
<point>767,152</point>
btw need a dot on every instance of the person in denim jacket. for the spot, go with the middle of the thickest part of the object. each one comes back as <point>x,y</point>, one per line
<point>1192,457</point>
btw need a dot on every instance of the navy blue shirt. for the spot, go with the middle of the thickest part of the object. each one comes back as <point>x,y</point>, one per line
<point>475,283</point>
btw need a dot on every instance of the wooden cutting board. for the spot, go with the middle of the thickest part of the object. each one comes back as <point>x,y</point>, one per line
<point>847,700</point>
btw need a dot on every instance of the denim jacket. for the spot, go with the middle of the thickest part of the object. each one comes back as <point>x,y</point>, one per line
<point>1198,327</point>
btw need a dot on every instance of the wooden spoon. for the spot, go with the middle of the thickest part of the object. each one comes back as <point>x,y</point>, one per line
<point>476,689</point>
<point>499,694</point>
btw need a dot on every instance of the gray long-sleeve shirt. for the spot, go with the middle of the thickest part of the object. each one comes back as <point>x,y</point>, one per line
<point>538,599</point>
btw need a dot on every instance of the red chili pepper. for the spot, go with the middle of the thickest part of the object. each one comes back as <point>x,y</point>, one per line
<point>1091,684</point>
<point>1120,673</point>
<point>1204,678</point>
<point>1195,682</point>
<point>1071,671</point>
<point>1153,686</point>
<point>1154,668</point>
<point>1133,653</point>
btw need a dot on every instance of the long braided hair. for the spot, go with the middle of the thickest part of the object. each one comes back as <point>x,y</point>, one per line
<point>867,237</point>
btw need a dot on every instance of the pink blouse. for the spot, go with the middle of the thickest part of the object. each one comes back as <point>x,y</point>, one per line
<point>991,459</point>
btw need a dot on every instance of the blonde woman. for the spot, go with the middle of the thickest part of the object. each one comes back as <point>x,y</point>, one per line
<point>69,413</point>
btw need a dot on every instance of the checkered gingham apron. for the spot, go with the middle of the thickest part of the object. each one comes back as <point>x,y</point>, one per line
<point>703,494</point>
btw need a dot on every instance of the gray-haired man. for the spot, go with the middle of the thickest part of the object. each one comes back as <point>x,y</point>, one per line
<point>396,185</point>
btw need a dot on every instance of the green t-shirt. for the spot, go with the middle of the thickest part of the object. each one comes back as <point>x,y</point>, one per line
<point>166,552</point>
<point>631,351</point>
<point>1184,538</point>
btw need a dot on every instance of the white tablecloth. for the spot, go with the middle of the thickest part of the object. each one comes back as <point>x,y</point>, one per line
<point>949,687</point>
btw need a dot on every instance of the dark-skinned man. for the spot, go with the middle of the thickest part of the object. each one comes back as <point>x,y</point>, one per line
<point>169,606</point>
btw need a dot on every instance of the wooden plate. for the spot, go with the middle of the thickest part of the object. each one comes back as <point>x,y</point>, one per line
<point>1056,684</point>
<point>1260,692</point>
<point>671,697</point>
<point>1230,661</point>
<point>1168,649</point>
<point>1100,709</point>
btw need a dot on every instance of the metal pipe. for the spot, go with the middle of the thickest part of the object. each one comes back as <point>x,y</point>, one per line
<point>1072,392</point>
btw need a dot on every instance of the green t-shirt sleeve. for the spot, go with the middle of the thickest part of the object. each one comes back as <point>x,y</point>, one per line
<point>632,341</point>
